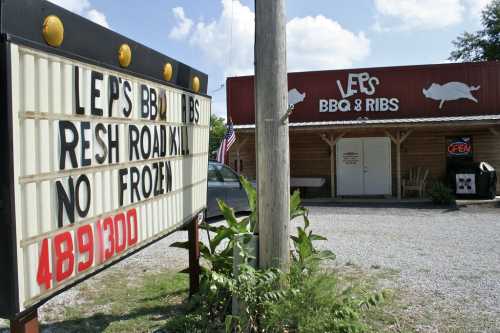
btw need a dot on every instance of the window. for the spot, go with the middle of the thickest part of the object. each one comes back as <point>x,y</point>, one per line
<point>227,175</point>
<point>213,175</point>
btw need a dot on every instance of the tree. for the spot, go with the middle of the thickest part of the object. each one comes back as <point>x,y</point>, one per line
<point>217,131</point>
<point>484,44</point>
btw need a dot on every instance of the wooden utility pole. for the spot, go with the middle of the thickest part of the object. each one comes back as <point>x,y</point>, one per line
<point>273,160</point>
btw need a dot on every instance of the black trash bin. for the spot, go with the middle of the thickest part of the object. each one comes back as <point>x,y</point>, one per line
<point>486,181</point>
<point>473,180</point>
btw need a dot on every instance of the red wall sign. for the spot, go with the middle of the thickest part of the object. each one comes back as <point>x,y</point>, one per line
<point>445,90</point>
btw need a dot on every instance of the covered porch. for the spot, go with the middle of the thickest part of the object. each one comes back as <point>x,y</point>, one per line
<point>414,143</point>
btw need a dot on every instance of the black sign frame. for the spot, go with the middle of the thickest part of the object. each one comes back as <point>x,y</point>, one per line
<point>21,23</point>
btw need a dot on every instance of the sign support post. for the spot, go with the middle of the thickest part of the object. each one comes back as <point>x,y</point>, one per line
<point>194,256</point>
<point>27,323</point>
<point>272,142</point>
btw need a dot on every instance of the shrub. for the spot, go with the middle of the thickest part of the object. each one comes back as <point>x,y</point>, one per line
<point>301,300</point>
<point>441,194</point>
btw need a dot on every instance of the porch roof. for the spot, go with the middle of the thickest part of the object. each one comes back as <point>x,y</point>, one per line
<point>407,122</point>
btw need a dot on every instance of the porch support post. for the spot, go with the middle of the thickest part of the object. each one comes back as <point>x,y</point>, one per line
<point>398,158</point>
<point>238,148</point>
<point>398,140</point>
<point>331,141</point>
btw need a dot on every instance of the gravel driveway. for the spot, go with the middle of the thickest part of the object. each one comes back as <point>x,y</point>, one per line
<point>446,262</point>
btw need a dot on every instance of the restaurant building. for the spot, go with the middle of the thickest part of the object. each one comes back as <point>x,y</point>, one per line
<point>362,132</point>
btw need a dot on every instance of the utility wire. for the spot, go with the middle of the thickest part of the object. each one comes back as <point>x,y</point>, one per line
<point>218,89</point>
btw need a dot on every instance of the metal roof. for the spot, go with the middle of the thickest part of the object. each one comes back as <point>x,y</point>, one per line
<point>407,121</point>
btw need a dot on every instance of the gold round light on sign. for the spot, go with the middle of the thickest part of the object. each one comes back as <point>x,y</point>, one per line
<point>124,55</point>
<point>53,31</point>
<point>195,85</point>
<point>168,71</point>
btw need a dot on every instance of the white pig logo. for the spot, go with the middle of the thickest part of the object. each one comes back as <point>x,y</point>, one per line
<point>295,97</point>
<point>450,91</point>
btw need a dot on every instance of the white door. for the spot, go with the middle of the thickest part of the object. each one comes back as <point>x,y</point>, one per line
<point>350,167</point>
<point>364,166</point>
<point>377,166</point>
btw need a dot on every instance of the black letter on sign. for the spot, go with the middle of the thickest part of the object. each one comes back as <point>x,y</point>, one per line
<point>65,201</point>
<point>173,141</point>
<point>84,126</point>
<point>133,135</point>
<point>158,171</point>
<point>114,93</point>
<point>168,178</point>
<point>153,106</point>
<point>144,101</point>
<point>95,93</point>
<point>78,108</point>
<point>82,212</point>
<point>197,111</point>
<point>127,89</point>
<point>191,109</point>
<point>163,140</point>
<point>146,193</point>
<point>183,108</point>
<point>145,154</point>
<point>98,129</point>
<point>123,184</point>
<point>185,141</point>
<point>67,147</point>
<point>134,184</point>
<point>156,143</point>
<point>161,178</point>
<point>113,144</point>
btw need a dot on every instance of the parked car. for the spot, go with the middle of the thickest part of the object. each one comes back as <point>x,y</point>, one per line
<point>224,184</point>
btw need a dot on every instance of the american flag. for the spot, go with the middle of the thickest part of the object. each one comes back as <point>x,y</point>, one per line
<point>226,143</point>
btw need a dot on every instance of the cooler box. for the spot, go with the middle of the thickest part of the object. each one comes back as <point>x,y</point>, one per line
<point>474,180</point>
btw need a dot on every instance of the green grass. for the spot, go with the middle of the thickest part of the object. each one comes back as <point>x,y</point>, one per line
<point>152,302</point>
<point>125,305</point>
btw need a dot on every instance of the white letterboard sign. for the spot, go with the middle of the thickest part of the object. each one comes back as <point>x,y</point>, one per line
<point>103,164</point>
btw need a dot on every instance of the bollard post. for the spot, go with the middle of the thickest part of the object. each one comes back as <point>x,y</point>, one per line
<point>194,256</point>
<point>26,323</point>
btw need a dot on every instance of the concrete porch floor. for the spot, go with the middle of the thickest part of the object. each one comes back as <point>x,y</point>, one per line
<point>394,200</point>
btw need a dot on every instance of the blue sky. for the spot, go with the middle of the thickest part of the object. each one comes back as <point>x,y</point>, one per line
<point>216,36</point>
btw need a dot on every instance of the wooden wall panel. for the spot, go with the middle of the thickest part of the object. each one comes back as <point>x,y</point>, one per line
<point>310,156</point>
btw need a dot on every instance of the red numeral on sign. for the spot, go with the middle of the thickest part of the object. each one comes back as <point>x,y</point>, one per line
<point>120,238</point>
<point>108,226</point>
<point>44,276</point>
<point>132,216</point>
<point>85,238</point>
<point>64,255</point>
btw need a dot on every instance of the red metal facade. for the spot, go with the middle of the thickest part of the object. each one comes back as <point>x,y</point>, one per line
<point>445,90</point>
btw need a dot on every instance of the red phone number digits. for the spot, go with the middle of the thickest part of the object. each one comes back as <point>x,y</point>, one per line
<point>109,237</point>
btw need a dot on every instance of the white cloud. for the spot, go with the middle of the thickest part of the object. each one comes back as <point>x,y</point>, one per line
<point>97,17</point>
<point>184,24</point>
<point>425,14</point>
<point>235,24</point>
<point>477,6</point>
<point>83,8</point>
<point>321,43</point>
<point>313,42</point>
<point>77,6</point>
